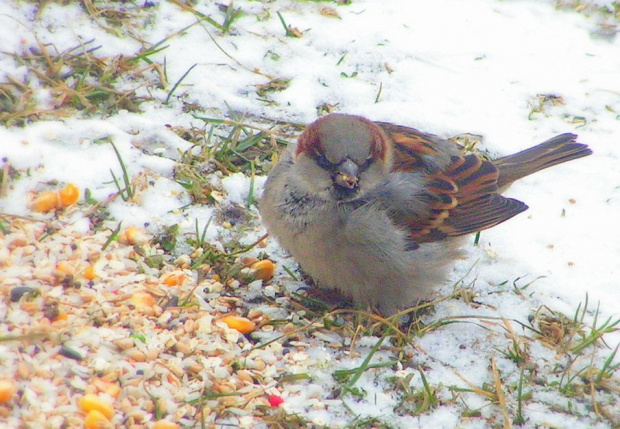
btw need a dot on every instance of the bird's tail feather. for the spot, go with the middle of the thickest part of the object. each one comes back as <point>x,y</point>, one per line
<point>556,150</point>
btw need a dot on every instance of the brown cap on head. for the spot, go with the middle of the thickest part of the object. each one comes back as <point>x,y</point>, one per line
<point>339,136</point>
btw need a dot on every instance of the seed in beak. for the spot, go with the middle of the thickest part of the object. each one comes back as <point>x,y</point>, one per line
<point>347,175</point>
<point>346,180</point>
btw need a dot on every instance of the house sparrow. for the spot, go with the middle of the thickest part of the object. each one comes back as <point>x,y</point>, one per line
<point>375,210</point>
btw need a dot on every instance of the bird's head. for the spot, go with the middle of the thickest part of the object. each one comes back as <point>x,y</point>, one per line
<point>343,155</point>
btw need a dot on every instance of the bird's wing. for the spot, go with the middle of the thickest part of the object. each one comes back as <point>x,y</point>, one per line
<point>459,194</point>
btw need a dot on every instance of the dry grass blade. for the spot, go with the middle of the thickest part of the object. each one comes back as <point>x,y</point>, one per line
<point>501,399</point>
<point>4,179</point>
<point>77,80</point>
<point>24,337</point>
<point>229,146</point>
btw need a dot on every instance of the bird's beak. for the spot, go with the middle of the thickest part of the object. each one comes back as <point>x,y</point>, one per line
<point>346,176</point>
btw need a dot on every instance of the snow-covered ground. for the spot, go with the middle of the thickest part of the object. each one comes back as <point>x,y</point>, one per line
<point>447,67</point>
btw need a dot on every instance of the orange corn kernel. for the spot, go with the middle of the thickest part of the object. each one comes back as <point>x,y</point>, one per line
<point>241,324</point>
<point>96,420</point>
<point>264,269</point>
<point>92,402</point>
<point>45,202</point>
<point>89,273</point>
<point>174,279</point>
<point>68,195</point>
<point>7,390</point>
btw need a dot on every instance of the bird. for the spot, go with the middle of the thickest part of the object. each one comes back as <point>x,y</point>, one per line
<point>378,211</point>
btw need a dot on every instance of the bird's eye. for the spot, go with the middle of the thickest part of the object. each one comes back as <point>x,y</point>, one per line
<point>323,162</point>
<point>367,163</point>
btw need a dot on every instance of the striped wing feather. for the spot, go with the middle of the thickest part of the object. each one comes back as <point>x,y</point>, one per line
<point>462,196</point>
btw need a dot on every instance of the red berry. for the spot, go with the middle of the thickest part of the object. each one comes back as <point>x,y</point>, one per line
<point>275,400</point>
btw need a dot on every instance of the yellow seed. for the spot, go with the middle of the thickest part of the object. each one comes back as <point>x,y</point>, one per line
<point>259,365</point>
<point>112,389</point>
<point>241,324</point>
<point>194,367</point>
<point>7,390</point>
<point>68,195</point>
<point>136,355</point>
<point>245,376</point>
<point>249,261</point>
<point>289,328</point>
<point>142,300</point>
<point>96,420</point>
<point>89,273</point>
<point>165,424</point>
<point>29,307</point>
<point>223,387</point>
<point>45,202</point>
<point>124,343</point>
<point>182,347</point>
<point>64,268</point>
<point>92,402</point>
<point>134,236</point>
<point>61,316</point>
<point>23,370</point>
<point>264,269</point>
